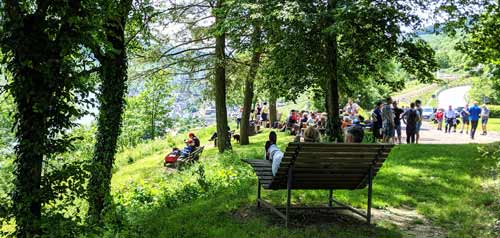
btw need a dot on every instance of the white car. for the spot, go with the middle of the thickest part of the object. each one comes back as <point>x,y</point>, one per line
<point>427,112</point>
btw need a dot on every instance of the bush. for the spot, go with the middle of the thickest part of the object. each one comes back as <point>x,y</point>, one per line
<point>494,111</point>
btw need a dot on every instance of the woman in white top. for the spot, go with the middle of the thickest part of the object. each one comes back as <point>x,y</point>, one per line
<point>273,153</point>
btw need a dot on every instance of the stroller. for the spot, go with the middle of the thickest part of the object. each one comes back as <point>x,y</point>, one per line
<point>172,157</point>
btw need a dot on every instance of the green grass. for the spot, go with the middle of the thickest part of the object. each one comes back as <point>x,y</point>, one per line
<point>442,182</point>
<point>493,125</point>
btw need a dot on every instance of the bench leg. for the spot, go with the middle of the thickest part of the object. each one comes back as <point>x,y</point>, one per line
<point>288,204</point>
<point>330,198</point>
<point>258,194</point>
<point>369,209</point>
<point>289,196</point>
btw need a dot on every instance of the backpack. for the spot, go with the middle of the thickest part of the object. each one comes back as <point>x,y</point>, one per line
<point>374,116</point>
<point>412,117</point>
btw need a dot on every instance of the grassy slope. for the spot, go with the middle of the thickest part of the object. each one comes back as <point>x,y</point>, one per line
<point>443,182</point>
<point>493,125</point>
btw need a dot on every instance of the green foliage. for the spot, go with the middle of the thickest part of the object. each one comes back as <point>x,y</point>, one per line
<point>494,111</point>
<point>450,59</point>
<point>146,115</point>
<point>481,88</point>
<point>6,122</point>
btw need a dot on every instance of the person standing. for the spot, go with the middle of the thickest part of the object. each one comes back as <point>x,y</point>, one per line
<point>485,114</point>
<point>449,117</point>
<point>258,114</point>
<point>388,121</point>
<point>465,119</point>
<point>474,114</point>
<point>238,118</point>
<point>397,120</point>
<point>418,105</point>
<point>377,122</point>
<point>439,119</point>
<point>265,114</point>
<point>410,118</point>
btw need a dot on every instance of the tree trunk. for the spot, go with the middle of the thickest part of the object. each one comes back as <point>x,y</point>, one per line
<point>31,134</point>
<point>333,124</point>
<point>273,112</point>
<point>249,86</point>
<point>113,89</point>
<point>33,89</point>
<point>223,140</point>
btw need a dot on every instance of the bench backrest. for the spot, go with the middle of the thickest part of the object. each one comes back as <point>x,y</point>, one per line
<point>196,153</point>
<point>328,166</point>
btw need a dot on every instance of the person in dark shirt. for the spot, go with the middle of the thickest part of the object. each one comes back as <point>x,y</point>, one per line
<point>377,121</point>
<point>397,120</point>
<point>195,139</point>
<point>410,118</point>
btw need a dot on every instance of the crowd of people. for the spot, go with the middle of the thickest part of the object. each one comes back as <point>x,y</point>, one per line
<point>469,117</point>
<point>386,122</point>
<point>258,116</point>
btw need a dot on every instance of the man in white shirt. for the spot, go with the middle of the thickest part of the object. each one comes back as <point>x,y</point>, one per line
<point>449,116</point>
<point>351,108</point>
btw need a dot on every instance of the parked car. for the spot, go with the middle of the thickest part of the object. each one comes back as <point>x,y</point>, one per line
<point>427,113</point>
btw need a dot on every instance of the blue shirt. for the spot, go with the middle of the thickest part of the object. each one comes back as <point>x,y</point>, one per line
<point>474,113</point>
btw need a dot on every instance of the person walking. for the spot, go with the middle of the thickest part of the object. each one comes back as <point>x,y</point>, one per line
<point>474,114</point>
<point>449,117</point>
<point>410,118</point>
<point>465,119</point>
<point>439,119</point>
<point>485,114</point>
<point>418,105</point>
<point>388,121</point>
<point>397,120</point>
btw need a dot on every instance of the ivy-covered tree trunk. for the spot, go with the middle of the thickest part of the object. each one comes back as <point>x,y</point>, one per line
<point>273,111</point>
<point>113,74</point>
<point>31,133</point>
<point>333,123</point>
<point>223,140</point>
<point>249,86</point>
<point>35,53</point>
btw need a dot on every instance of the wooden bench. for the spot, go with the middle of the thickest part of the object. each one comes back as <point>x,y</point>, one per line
<point>317,166</point>
<point>191,158</point>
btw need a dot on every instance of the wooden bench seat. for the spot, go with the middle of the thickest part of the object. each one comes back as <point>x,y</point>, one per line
<point>191,158</point>
<point>315,166</point>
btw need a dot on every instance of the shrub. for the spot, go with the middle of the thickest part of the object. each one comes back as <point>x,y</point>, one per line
<point>494,111</point>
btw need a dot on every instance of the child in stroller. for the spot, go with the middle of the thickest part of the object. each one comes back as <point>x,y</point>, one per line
<point>177,154</point>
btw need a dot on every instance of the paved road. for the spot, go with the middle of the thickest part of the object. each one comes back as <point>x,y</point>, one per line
<point>453,96</point>
<point>429,135</point>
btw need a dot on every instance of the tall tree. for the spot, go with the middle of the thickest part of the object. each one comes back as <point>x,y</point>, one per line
<point>113,73</point>
<point>41,43</point>
<point>224,143</point>
<point>249,84</point>
<point>328,44</point>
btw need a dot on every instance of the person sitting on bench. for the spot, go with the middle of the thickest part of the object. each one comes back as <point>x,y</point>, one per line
<point>311,134</point>
<point>188,149</point>
<point>195,139</point>
<point>354,134</point>
<point>273,153</point>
